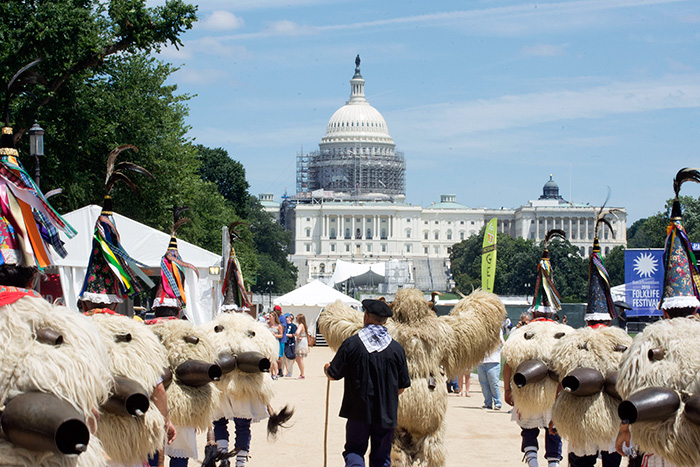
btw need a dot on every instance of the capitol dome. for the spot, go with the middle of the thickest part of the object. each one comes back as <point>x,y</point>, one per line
<point>357,120</point>
<point>357,155</point>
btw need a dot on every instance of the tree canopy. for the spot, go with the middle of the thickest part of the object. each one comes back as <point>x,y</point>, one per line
<point>102,89</point>
<point>228,175</point>
<point>76,38</point>
<point>516,266</point>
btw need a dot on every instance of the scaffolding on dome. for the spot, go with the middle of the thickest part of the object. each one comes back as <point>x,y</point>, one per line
<point>355,172</point>
<point>302,171</point>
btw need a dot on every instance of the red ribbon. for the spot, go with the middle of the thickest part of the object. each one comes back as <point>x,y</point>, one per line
<point>9,294</point>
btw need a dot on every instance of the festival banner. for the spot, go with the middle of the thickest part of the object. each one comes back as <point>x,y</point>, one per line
<point>644,276</point>
<point>488,256</point>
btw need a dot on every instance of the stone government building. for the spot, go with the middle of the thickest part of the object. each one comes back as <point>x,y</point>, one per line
<point>350,205</point>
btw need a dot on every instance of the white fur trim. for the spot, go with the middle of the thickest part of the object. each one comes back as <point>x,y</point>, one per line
<point>100,298</point>
<point>679,302</point>
<point>597,317</point>
<point>227,307</point>
<point>167,302</point>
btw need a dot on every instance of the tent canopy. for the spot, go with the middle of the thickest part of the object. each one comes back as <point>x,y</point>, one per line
<point>314,293</point>
<point>359,274</point>
<point>144,244</point>
<point>310,299</point>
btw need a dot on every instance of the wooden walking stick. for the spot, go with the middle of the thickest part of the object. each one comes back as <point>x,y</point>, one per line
<point>325,432</point>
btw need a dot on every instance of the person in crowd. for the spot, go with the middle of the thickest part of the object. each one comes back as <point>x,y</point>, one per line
<point>489,372</point>
<point>525,318</point>
<point>273,324</point>
<point>507,326</point>
<point>302,343</point>
<point>282,318</point>
<point>290,354</point>
<point>667,441</point>
<point>376,373</point>
<point>464,382</point>
<point>531,345</point>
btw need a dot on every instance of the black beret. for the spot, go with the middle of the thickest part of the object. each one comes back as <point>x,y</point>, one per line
<point>377,307</point>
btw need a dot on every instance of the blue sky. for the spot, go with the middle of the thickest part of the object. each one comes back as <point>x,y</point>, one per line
<point>485,98</point>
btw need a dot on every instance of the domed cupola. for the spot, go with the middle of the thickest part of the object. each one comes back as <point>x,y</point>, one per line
<point>550,190</point>
<point>357,121</point>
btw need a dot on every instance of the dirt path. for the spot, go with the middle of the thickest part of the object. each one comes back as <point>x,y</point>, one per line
<point>475,437</point>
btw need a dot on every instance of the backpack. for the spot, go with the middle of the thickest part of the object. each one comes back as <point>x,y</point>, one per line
<point>290,350</point>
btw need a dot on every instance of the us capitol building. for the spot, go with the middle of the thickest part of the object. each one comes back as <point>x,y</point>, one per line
<point>350,205</point>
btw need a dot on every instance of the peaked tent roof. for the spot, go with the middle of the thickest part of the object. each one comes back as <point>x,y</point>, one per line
<point>142,242</point>
<point>361,274</point>
<point>314,293</point>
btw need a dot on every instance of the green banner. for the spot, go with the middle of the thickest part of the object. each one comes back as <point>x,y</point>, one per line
<point>488,256</point>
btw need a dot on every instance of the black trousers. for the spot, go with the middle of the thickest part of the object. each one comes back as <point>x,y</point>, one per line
<point>610,459</point>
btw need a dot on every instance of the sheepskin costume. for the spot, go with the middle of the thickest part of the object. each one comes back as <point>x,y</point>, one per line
<point>589,423</point>
<point>129,440</point>
<point>676,438</point>
<point>534,341</point>
<point>435,347</point>
<point>243,395</point>
<point>75,370</point>
<point>188,406</point>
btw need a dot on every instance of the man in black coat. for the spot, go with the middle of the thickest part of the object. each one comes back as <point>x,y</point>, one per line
<point>375,371</point>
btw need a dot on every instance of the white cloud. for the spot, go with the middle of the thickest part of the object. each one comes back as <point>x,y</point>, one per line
<point>544,50</point>
<point>221,20</point>
<point>288,28</point>
<point>200,76</point>
<point>526,110</point>
<point>677,66</point>
<point>507,20</point>
<point>241,5</point>
<point>209,45</point>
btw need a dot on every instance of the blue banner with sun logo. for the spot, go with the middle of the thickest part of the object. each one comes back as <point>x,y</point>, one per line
<point>644,275</point>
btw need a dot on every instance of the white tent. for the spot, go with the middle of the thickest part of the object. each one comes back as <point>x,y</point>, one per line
<point>147,246</point>
<point>310,299</point>
<point>358,274</point>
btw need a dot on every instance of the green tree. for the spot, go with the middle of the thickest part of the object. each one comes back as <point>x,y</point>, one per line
<point>516,266</point>
<point>569,271</point>
<point>615,265</point>
<point>465,263</point>
<point>228,175</point>
<point>82,129</point>
<point>650,232</point>
<point>76,38</point>
<point>272,243</point>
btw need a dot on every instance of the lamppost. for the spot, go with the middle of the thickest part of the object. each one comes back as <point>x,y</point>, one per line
<point>269,292</point>
<point>527,289</point>
<point>36,147</point>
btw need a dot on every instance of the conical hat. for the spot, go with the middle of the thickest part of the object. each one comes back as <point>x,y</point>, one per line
<point>545,298</point>
<point>680,273</point>
<point>600,304</point>
<point>680,288</point>
<point>112,274</point>
<point>28,223</point>
<point>233,289</point>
